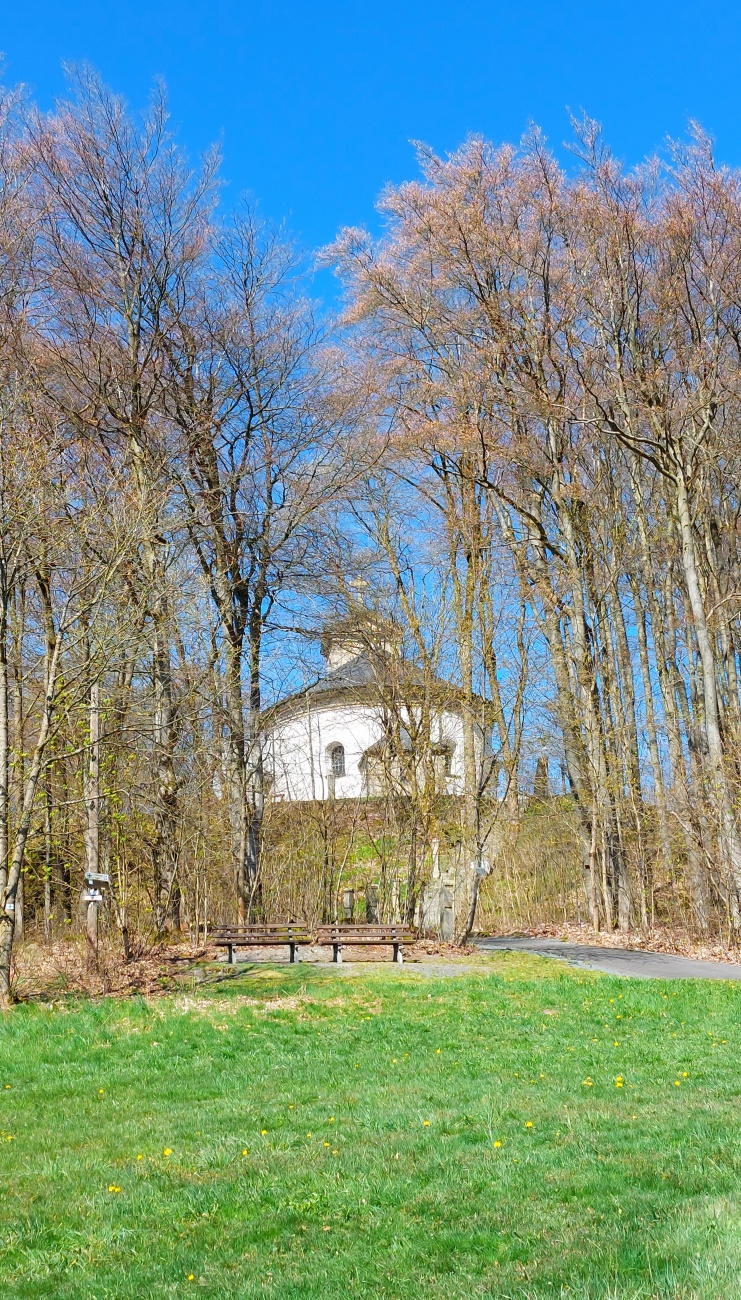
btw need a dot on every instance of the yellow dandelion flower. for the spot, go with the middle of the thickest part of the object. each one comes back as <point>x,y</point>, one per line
<point>326,1144</point>
<point>101,1092</point>
<point>308,1135</point>
<point>9,1138</point>
<point>677,1083</point>
<point>245,1152</point>
<point>264,1132</point>
<point>335,1153</point>
<point>684,1074</point>
<point>140,1157</point>
<point>167,1151</point>
<point>427,1123</point>
<point>7,1087</point>
<point>393,1061</point>
<point>331,1119</point>
<point>113,1188</point>
<point>587,1083</point>
<point>191,1277</point>
<point>529,1124</point>
<point>497,1143</point>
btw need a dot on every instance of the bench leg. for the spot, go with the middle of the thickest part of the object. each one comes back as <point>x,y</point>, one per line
<point>292,947</point>
<point>398,955</point>
<point>232,955</point>
<point>336,954</point>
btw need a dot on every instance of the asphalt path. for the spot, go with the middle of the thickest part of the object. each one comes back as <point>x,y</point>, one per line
<point>618,961</point>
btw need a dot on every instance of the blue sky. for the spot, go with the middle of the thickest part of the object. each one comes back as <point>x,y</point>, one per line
<point>316,102</point>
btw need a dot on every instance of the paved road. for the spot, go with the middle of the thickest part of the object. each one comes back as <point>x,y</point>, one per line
<point>619,961</point>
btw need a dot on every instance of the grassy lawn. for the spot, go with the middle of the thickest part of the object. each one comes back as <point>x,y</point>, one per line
<point>523,1130</point>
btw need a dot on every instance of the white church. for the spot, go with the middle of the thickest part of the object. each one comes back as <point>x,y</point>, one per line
<point>360,728</point>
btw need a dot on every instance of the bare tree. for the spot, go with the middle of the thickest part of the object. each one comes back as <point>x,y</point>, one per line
<point>124,226</point>
<point>260,454</point>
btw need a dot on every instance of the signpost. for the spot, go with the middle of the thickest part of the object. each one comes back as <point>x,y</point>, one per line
<point>92,894</point>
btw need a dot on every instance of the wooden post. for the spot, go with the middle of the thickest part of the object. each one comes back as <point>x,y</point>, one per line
<point>371,904</point>
<point>92,934</point>
<point>20,907</point>
<point>92,783</point>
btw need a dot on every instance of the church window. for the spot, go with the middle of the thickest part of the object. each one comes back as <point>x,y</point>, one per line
<point>444,757</point>
<point>337,760</point>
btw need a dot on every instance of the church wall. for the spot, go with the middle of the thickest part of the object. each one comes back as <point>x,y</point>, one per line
<point>299,745</point>
<point>298,750</point>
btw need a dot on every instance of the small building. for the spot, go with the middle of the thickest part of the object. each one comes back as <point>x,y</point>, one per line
<point>372,722</point>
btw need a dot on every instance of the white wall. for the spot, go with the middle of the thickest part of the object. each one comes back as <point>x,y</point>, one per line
<point>297,749</point>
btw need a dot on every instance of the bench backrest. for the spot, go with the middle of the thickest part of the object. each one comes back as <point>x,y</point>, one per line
<point>242,933</point>
<point>371,933</point>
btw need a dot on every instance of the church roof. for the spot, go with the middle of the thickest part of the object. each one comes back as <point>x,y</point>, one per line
<point>370,678</point>
<point>348,676</point>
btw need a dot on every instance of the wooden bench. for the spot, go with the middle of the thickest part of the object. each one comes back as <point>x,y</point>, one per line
<point>341,936</point>
<point>260,936</point>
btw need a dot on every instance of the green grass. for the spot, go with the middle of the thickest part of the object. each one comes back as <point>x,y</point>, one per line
<point>370,1107</point>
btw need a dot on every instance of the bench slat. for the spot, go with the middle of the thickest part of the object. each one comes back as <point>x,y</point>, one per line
<point>258,934</point>
<point>353,934</point>
<point>247,933</point>
<point>244,940</point>
<point>300,942</point>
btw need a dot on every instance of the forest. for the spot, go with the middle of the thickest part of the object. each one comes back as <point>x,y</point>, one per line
<point>515,436</point>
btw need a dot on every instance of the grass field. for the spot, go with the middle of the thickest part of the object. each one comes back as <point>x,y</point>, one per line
<point>523,1130</point>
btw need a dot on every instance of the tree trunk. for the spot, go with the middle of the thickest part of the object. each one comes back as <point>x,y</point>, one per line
<point>4,741</point>
<point>9,894</point>
<point>727,826</point>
